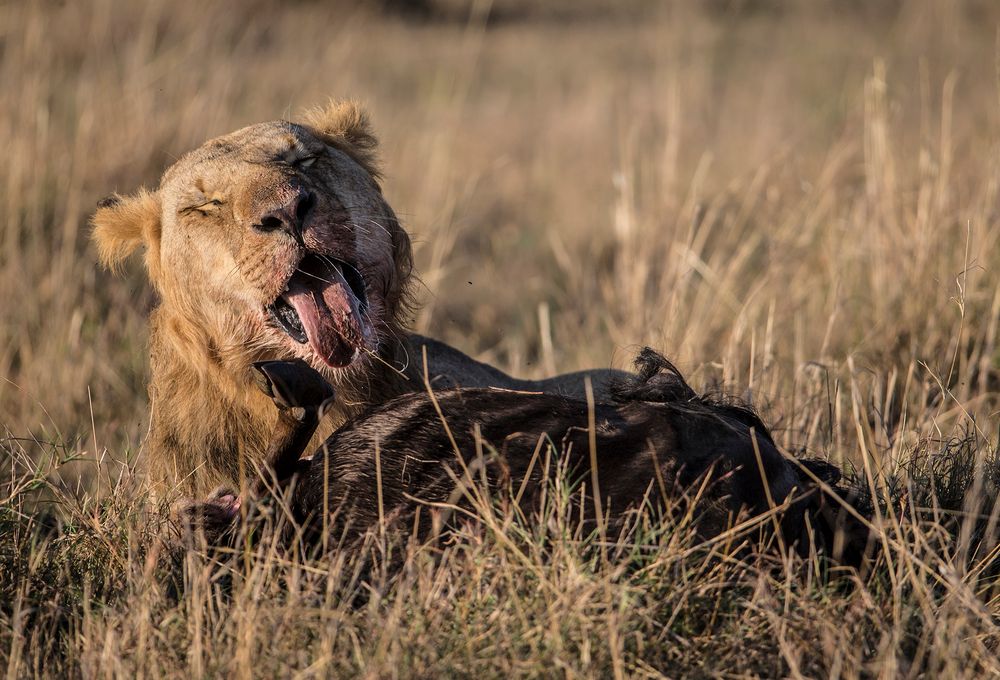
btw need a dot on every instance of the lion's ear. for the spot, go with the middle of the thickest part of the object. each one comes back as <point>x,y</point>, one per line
<point>345,125</point>
<point>123,223</point>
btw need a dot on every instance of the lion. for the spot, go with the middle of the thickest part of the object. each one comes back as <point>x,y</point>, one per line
<point>275,242</point>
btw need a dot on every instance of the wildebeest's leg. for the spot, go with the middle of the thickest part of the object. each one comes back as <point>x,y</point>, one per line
<point>302,396</point>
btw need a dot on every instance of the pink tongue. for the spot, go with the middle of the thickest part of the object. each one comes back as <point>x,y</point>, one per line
<point>329,314</point>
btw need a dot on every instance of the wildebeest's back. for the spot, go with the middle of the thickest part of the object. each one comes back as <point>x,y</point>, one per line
<point>496,433</point>
<point>522,440</point>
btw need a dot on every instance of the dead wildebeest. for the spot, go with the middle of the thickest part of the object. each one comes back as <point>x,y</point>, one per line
<point>657,442</point>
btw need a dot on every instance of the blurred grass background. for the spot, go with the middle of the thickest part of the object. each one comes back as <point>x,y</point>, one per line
<point>795,200</point>
<point>764,189</point>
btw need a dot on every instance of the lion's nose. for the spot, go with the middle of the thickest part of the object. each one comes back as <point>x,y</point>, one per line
<point>290,217</point>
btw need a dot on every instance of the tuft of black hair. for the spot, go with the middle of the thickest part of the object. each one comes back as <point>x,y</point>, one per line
<point>657,380</point>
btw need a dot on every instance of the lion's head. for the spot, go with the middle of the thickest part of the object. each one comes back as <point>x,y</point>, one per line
<point>274,240</point>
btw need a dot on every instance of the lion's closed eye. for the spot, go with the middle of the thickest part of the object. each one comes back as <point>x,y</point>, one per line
<point>204,207</point>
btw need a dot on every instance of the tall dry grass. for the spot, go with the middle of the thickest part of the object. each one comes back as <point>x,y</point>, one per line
<point>796,201</point>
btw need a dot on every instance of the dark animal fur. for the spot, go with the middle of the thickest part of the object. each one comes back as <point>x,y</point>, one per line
<point>656,437</point>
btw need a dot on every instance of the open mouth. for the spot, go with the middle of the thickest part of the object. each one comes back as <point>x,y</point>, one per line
<point>324,305</point>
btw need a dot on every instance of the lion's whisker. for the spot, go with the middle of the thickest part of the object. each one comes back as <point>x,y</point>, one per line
<point>314,276</point>
<point>385,363</point>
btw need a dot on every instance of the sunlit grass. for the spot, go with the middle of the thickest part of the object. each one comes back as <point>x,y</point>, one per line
<point>796,202</point>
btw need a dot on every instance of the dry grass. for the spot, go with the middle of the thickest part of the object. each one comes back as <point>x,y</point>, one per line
<point>796,202</point>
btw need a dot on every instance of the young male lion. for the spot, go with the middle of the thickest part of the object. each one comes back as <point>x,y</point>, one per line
<point>275,242</point>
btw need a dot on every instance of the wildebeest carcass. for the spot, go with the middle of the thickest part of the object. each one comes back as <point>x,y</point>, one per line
<point>404,463</point>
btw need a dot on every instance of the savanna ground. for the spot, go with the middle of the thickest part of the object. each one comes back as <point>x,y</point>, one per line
<point>795,201</point>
